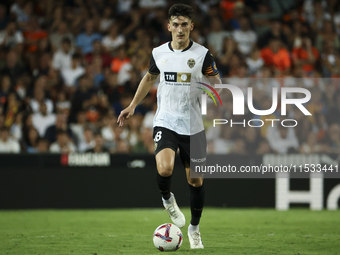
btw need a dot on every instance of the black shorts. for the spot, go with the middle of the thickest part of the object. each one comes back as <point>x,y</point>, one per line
<point>194,154</point>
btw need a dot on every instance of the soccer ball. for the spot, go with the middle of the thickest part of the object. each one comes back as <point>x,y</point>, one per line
<point>167,237</point>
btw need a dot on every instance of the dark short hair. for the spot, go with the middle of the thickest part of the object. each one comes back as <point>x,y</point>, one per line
<point>87,127</point>
<point>76,56</point>
<point>303,35</point>
<point>61,132</point>
<point>181,10</point>
<point>66,40</point>
<point>42,140</point>
<point>98,133</point>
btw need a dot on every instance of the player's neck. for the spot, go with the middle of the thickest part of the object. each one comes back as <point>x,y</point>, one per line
<point>180,46</point>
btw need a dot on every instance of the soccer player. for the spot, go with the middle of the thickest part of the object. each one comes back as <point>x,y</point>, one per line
<point>179,63</point>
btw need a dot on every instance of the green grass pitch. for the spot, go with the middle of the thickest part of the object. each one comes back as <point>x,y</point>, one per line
<point>129,231</point>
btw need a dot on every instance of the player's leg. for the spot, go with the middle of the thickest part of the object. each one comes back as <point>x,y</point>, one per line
<point>165,161</point>
<point>196,197</point>
<point>191,155</point>
<point>166,145</point>
<point>196,206</point>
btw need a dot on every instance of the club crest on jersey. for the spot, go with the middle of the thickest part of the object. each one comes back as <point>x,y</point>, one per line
<point>191,63</point>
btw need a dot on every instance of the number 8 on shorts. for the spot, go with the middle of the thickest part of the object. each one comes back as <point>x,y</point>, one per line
<point>158,136</point>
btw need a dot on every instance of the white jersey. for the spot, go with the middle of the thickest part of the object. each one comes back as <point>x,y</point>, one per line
<point>178,100</point>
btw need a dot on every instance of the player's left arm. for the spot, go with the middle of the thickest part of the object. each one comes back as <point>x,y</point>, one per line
<point>210,70</point>
<point>216,79</point>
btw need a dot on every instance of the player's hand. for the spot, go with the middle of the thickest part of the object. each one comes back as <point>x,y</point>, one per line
<point>125,114</point>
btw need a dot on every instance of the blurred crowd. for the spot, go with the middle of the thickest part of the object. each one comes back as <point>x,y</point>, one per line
<point>67,69</point>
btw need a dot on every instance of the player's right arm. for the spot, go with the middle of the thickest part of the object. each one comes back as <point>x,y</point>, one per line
<point>143,89</point>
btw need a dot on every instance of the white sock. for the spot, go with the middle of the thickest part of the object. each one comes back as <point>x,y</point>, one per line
<point>193,228</point>
<point>169,201</point>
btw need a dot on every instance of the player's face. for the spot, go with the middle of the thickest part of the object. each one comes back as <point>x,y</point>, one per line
<point>180,28</point>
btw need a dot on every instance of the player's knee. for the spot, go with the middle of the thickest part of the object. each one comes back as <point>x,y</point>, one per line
<point>195,182</point>
<point>165,170</point>
<point>165,173</point>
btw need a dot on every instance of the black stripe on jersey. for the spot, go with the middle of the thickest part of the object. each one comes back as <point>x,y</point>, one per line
<point>189,46</point>
<point>208,62</point>
<point>153,69</point>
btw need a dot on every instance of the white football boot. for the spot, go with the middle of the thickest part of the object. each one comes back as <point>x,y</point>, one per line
<point>174,212</point>
<point>195,240</point>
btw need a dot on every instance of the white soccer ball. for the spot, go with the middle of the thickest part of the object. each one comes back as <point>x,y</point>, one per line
<point>167,237</point>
